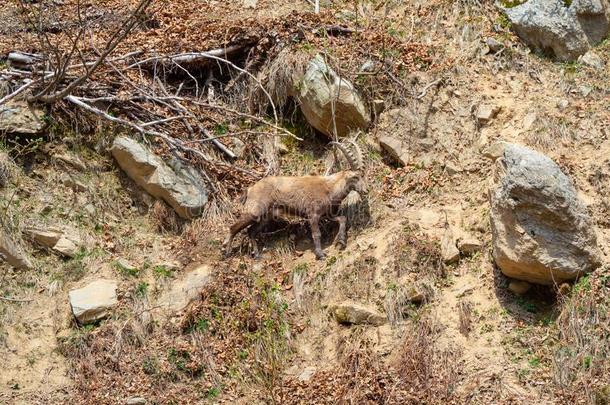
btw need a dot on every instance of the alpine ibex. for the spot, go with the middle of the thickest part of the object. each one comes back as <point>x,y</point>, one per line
<point>311,197</point>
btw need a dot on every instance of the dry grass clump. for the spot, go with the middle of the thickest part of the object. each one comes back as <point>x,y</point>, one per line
<point>582,355</point>
<point>414,253</point>
<point>424,372</point>
<point>164,218</point>
<point>236,335</point>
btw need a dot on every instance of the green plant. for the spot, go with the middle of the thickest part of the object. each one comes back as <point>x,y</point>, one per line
<point>150,365</point>
<point>126,271</point>
<point>162,272</point>
<point>212,392</point>
<point>512,3</point>
<point>141,289</point>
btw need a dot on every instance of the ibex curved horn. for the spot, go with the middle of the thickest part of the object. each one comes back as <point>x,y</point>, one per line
<point>359,157</point>
<point>348,155</point>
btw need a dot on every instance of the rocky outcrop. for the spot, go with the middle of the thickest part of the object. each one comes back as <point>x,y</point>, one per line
<point>64,241</point>
<point>12,253</point>
<point>329,101</point>
<point>541,231</point>
<point>93,302</point>
<point>449,251</point>
<point>186,290</point>
<point>352,313</point>
<point>551,27</point>
<point>396,148</point>
<point>181,188</point>
<point>19,117</point>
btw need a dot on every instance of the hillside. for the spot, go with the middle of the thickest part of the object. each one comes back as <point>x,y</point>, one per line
<point>135,175</point>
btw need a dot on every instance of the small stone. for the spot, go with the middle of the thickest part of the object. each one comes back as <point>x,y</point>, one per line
<point>592,60</point>
<point>66,247</point>
<point>186,290</point>
<point>494,45</point>
<point>529,120</point>
<point>368,66</point>
<point>518,287</point>
<point>486,113</point>
<point>125,265</point>
<point>94,301</point>
<point>378,106</point>
<point>495,150</point>
<point>89,209</point>
<point>239,147</point>
<point>563,104</point>
<point>415,294</point>
<point>469,245</point>
<point>72,183</point>
<point>71,160</point>
<point>585,90</point>
<point>463,291</point>
<point>353,313</point>
<point>396,148</point>
<point>135,401</point>
<point>452,168</point>
<point>307,373</point>
<point>449,250</point>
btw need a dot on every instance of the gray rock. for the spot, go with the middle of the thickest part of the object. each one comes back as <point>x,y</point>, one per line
<point>18,117</point>
<point>181,188</point>
<point>396,148</point>
<point>12,253</point>
<point>449,251</point>
<point>563,104</point>
<point>352,313</point>
<point>62,240</point>
<point>322,94</point>
<point>136,401</point>
<point>494,45</point>
<point>541,231</point>
<point>592,60</point>
<point>307,373</point>
<point>186,290</point>
<point>486,113</point>
<point>565,32</point>
<point>93,302</point>
<point>469,245</point>
<point>518,287</point>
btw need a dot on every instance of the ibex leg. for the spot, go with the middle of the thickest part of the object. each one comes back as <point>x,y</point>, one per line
<point>314,223</point>
<point>241,223</point>
<point>342,234</point>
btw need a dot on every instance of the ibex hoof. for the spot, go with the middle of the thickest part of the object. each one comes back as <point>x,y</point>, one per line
<point>320,255</point>
<point>341,244</point>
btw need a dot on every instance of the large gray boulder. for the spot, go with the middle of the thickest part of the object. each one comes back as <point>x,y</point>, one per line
<point>93,302</point>
<point>322,94</point>
<point>541,231</point>
<point>565,32</point>
<point>181,188</point>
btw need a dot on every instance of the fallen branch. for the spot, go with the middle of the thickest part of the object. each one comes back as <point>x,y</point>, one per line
<point>112,43</point>
<point>425,89</point>
<point>252,117</point>
<point>207,55</point>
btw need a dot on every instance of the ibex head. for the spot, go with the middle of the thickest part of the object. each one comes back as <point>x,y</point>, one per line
<point>354,177</point>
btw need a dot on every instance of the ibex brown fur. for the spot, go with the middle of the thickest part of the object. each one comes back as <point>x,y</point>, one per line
<point>311,197</point>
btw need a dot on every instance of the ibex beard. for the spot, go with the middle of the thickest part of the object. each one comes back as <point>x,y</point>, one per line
<point>310,197</point>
